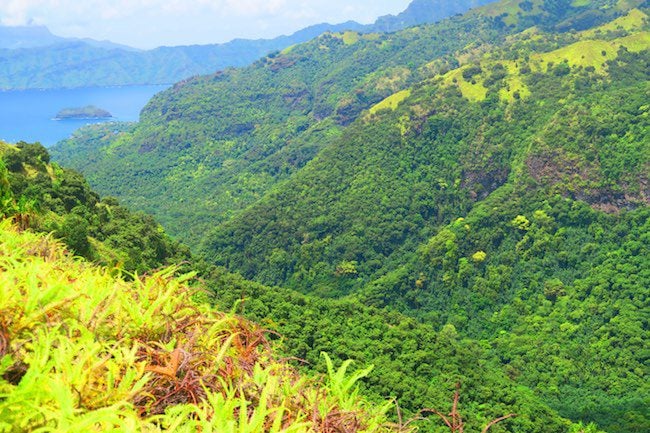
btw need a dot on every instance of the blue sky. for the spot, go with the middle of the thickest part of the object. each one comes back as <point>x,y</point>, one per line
<point>151,23</point>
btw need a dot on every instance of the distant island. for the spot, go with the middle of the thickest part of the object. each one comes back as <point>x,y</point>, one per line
<point>87,112</point>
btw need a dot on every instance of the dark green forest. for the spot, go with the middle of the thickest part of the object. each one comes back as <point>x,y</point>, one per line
<point>461,202</point>
<point>412,362</point>
<point>45,197</point>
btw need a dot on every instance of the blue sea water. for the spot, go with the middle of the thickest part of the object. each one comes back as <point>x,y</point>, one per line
<point>28,115</point>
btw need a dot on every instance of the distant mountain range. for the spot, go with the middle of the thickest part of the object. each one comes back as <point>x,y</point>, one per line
<point>33,57</point>
<point>14,38</point>
<point>27,37</point>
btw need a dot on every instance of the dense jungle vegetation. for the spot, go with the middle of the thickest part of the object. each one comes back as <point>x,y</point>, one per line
<point>464,202</point>
<point>45,197</point>
<point>408,362</point>
<point>218,143</point>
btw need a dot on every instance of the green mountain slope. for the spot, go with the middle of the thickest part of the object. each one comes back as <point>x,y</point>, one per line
<point>425,156</point>
<point>507,198</point>
<point>493,186</point>
<point>217,143</point>
<point>45,197</point>
<point>413,363</point>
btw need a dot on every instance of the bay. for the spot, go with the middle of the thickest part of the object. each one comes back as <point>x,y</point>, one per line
<point>28,115</point>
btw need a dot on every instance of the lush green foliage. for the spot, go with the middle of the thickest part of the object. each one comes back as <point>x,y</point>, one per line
<point>398,176</point>
<point>378,215</point>
<point>82,350</point>
<point>217,143</point>
<point>492,185</point>
<point>414,363</point>
<point>48,198</point>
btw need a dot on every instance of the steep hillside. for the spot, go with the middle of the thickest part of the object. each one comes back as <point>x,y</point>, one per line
<point>418,365</point>
<point>413,363</point>
<point>217,143</point>
<point>563,123</point>
<point>45,197</point>
<point>508,198</point>
<point>82,350</point>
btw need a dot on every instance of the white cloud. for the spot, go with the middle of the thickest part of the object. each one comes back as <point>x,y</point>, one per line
<point>256,7</point>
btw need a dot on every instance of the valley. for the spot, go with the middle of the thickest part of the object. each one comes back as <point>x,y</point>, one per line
<point>462,203</point>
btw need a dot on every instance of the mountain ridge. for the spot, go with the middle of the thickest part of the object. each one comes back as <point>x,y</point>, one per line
<point>312,99</point>
<point>108,64</point>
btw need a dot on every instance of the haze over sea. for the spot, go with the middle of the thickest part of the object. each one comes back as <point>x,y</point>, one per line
<point>28,115</point>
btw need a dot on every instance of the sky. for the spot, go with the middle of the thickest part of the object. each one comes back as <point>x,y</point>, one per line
<point>152,23</point>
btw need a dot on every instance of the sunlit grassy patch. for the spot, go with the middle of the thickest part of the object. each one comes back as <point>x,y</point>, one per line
<point>509,9</point>
<point>634,20</point>
<point>515,88</point>
<point>289,49</point>
<point>584,53</point>
<point>371,36</point>
<point>391,102</point>
<point>635,42</point>
<point>350,38</point>
<point>593,53</point>
<point>474,91</point>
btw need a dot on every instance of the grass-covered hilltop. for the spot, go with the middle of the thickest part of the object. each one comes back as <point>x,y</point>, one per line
<point>455,204</point>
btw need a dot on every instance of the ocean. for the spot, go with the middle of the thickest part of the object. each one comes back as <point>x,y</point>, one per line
<point>28,115</point>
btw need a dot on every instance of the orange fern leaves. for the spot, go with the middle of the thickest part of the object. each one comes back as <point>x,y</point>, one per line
<point>171,368</point>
